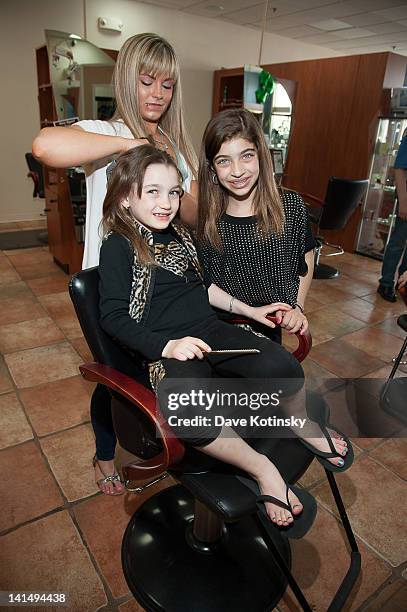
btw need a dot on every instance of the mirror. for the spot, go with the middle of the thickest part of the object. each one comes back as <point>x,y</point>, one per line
<point>81,76</point>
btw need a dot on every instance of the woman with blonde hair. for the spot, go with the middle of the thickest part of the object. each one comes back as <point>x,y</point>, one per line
<point>148,97</point>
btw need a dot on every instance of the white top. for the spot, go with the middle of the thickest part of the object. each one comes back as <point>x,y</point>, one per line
<point>96,186</point>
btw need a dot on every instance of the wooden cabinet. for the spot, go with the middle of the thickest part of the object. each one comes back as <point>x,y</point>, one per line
<point>66,250</point>
<point>337,108</point>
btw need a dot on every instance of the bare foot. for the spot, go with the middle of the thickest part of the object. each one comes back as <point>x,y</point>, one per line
<point>107,479</point>
<point>340,445</point>
<point>271,483</point>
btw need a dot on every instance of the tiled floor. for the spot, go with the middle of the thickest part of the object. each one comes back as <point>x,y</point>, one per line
<point>60,534</point>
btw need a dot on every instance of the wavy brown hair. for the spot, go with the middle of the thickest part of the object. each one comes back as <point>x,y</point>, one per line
<point>150,54</point>
<point>126,179</point>
<point>213,198</point>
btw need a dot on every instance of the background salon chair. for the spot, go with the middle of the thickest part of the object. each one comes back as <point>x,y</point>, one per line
<point>35,172</point>
<point>201,545</point>
<point>394,393</point>
<point>341,199</point>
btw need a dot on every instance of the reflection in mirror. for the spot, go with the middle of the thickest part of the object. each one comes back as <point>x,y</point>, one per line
<point>81,76</point>
<point>277,118</point>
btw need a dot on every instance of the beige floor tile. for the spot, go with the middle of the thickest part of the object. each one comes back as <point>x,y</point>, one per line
<point>393,455</point>
<point>40,365</point>
<point>28,270</point>
<point>327,292</point>
<point>344,360</point>
<point>48,555</point>
<point>372,495</point>
<point>109,516</point>
<point>8,274</point>
<point>390,326</point>
<point>58,405</point>
<point>326,324</point>
<point>365,311</point>
<point>81,346</point>
<point>313,475</point>
<point>27,488</point>
<point>69,454</point>
<point>24,308</point>
<point>131,606</point>
<point>60,308</point>
<point>48,284</point>
<point>374,342</point>
<point>320,562</point>
<point>17,290</point>
<point>6,384</point>
<point>29,334</point>
<point>14,427</point>
<point>392,598</point>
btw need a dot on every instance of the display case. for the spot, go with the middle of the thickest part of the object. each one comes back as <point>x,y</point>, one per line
<point>380,203</point>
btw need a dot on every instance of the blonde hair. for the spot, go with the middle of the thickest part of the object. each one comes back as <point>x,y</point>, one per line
<point>150,54</point>
<point>213,198</point>
<point>125,179</point>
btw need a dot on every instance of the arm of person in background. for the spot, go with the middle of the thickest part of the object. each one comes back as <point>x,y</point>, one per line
<point>295,319</point>
<point>400,180</point>
<point>188,211</point>
<point>62,147</point>
<point>224,301</point>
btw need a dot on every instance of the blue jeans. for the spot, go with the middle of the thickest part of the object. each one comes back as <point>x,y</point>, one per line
<point>395,250</point>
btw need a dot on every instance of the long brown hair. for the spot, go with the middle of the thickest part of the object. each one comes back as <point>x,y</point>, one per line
<point>213,198</point>
<point>126,178</point>
<point>150,54</point>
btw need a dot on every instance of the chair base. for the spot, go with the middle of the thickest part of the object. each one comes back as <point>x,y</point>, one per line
<point>325,271</point>
<point>167,573</point>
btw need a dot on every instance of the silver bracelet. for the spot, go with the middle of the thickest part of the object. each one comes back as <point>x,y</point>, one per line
<point>232,299</point>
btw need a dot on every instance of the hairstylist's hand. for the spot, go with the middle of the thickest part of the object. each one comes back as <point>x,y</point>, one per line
<point>131,143</point>
<point>294,320</point>
<point>185,348</point>
<point>260,313</point>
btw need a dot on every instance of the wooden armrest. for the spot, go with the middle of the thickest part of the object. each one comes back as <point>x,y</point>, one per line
<point>145,400</point>
<point>304,340</point>
<point>403,292</point>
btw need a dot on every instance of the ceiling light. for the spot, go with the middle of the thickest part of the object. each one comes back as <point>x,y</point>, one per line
<point>215,7</point>
<point>329,25</point>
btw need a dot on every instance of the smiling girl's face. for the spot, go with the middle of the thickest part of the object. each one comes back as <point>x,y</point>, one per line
<point>159,200</point>
<point>237,167</point>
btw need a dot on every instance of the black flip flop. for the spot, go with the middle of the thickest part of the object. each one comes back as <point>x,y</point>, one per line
<point>318,412</point>
<point>303,522</point>
<point>323,456</point>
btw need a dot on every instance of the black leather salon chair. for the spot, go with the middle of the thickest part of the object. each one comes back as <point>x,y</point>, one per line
<point>201,545</point>
<point>333,213</point>
<point>36,174</point>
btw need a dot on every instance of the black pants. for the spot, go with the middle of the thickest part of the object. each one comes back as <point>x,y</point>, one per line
<point>273,362</point>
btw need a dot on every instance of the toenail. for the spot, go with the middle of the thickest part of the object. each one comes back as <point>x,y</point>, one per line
<point>343,453</point>
<point>341,462</point>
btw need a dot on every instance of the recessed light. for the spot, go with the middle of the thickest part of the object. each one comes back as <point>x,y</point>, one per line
<point>215,7</point>
<point>329,25</point>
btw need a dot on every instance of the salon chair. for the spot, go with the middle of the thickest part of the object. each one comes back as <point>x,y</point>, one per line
<point>394,393</point>
<point>37,175</point>
<point>341,199</point>
<point>201,545</point>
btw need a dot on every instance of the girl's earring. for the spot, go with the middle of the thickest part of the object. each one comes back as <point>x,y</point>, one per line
<point>215,179</point>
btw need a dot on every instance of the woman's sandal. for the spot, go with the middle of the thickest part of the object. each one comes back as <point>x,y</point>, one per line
<point>323,456</point>
<point>107,479</point>
<point>302,522</point>
<point>318,412</point>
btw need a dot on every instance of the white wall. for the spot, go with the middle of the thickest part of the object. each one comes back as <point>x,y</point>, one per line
<point>203,45</point>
